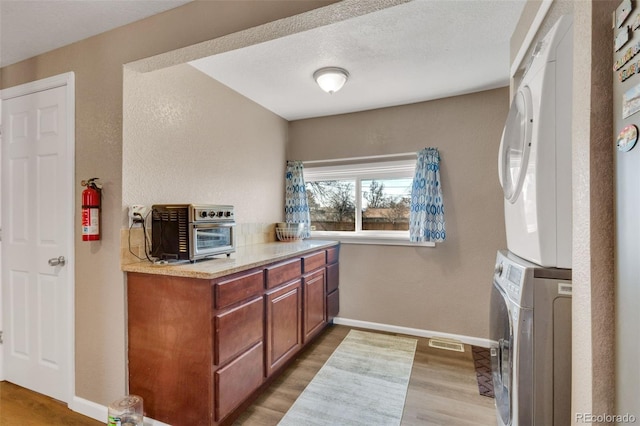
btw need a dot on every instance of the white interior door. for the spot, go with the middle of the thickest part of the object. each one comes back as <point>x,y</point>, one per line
<point>37,282</point>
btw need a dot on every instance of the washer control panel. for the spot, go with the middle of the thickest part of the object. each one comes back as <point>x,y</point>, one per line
<point>513,279</point>
<point>510,277</point>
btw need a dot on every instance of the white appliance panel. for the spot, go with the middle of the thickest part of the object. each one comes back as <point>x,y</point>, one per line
<point>538,210</point>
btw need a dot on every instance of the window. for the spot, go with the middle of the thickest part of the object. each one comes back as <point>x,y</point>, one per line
<point>361,202</point>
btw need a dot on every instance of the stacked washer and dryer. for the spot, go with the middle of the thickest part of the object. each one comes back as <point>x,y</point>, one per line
<point>530,323</point>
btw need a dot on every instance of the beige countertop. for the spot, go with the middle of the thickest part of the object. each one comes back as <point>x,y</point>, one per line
<point>244,258</point>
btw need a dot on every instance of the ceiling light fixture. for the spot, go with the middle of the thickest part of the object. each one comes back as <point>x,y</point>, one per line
<point>331,79</point>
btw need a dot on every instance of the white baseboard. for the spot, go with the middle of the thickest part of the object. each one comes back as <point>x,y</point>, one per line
<point>99,412</point>
<point>150,422</point>
<point>90,409</point>
<point>475,341</point>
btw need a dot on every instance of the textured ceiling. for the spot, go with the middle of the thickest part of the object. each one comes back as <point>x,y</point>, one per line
<point>405,53</point>
<point>31,27</point>
<point>412,52</point>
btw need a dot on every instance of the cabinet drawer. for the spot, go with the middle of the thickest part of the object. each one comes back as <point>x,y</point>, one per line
<point>313,261</point>
<point>333,277</point>
<point>283,272</point>
<point>239,288</point>
<point>333,254</point>
<point>238,329</point>
<point>235,382</point>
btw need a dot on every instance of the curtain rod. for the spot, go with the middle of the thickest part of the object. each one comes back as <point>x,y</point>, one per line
<point>371,157</point>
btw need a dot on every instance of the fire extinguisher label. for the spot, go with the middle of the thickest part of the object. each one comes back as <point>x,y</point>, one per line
<point>90,221</point>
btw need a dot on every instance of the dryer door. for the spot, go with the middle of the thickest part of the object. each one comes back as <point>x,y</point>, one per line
<point>515,145</point>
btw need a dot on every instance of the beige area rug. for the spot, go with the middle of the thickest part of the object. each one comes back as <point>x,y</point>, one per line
<point>364,382</point>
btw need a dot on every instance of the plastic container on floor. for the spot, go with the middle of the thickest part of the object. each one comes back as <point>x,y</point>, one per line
<point>127,411</point>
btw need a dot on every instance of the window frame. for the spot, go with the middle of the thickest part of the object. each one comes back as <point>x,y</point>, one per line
<point>358,172</point>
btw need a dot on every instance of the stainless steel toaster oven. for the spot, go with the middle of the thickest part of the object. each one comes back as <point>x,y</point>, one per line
<point>192,231</point>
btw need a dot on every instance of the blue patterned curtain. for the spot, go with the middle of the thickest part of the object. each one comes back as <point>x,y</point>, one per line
<point>296,208</point>
<point>426,219</point>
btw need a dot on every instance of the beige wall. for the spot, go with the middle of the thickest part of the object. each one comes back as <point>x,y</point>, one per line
<point>593,327</point>
<point>445,288</point>
<point>188,138</point>
<point>593,273</point>
<point>97,63</point>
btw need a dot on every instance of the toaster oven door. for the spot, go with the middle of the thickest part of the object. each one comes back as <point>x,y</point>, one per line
<point>212,238</point>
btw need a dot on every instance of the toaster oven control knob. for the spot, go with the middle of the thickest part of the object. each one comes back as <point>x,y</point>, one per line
<point>220,213</point>
<point>227,213</point>
<point>203,214</point>
<point>212,213</point>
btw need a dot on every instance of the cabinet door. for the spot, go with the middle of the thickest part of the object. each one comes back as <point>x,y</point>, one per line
<point>314,307</point>
<point>284,324</point>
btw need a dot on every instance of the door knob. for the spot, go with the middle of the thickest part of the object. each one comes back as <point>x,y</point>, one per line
<point>57,261</point>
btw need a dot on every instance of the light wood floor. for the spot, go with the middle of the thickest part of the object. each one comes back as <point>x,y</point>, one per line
<point>442,391</point>
<point>19,406</point>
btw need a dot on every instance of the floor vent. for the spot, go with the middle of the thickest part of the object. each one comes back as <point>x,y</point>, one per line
<point>449,345</point>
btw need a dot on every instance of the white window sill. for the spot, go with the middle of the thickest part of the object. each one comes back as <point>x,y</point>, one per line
<point>369,238</point>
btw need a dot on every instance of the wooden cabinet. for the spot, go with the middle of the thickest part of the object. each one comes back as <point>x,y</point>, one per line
<point>283,272</point>
<point>236,381</point>
<point>313,261</point>
<point>170,341</point>
<point>315,296</point>
<point>201,350</point>
<point>238,287</point>
<point>333,281</point>
<point>238,329</point>
<point>238,347</point>
<point>284,320</point>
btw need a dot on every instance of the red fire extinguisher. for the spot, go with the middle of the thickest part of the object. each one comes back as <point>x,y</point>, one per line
<point>91,210</point>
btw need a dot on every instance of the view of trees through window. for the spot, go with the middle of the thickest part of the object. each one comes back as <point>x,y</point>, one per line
<point>332,205</point>
<point>384,204</point>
